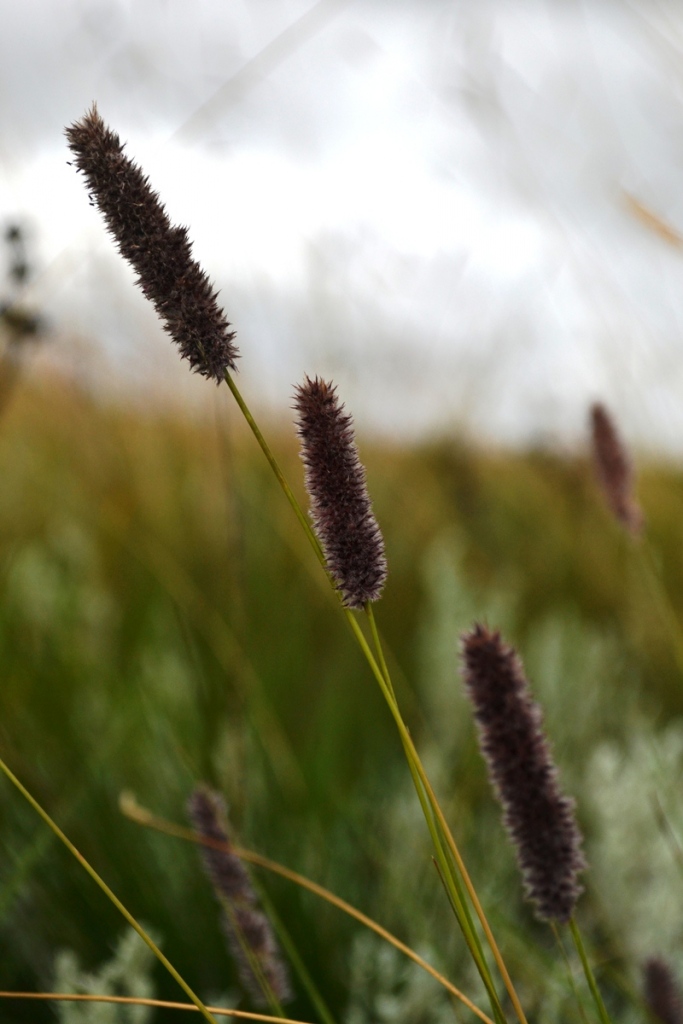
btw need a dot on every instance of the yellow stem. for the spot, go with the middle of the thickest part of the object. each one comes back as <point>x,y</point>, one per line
<point>164,1004</point>
<point>106,890</point>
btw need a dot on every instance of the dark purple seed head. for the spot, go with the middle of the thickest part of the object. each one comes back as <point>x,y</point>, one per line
<point>227,874</point>
<point>538,816</point>
<point>614,470</point>
<point>250,936</point>
<point>159,252</point>
<point>261,968</point>
<point>661,991</point>
<point>340,506</point>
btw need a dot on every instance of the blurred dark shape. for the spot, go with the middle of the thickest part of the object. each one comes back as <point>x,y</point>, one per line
<point>18,322</point>
<point>661,991</point>
<point>539,818</point>
<point>19,266</point>
<point>21,322</point>
<point>250,936</point>
<point>19,272</point>
<point>614,470</point>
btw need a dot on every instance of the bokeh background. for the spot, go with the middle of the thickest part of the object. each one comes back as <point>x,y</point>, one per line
<point>468,212</point>
<point>468,215</point>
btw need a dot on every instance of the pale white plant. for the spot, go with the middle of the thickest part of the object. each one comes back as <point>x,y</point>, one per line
<point>636,857</point>
<point>385,988</point>
<point>127,973</point>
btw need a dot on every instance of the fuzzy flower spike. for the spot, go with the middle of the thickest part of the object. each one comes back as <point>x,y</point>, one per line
<point>159,252</point>
<point>661,991</point>
<point>614,470</point>
<point>539,818</point>
<point>248,931</point>
<point>340,505</point>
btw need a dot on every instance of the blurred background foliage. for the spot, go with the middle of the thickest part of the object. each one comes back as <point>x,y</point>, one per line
<point>163,622</point>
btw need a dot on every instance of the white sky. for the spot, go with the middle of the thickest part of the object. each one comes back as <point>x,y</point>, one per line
<point>423,199</point>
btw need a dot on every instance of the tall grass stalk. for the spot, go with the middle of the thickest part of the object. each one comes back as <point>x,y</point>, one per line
<point>588,972</point>
<point>434,817</point>
<point>183,297</point>
<point>106,890</point>
<point>570,972</point>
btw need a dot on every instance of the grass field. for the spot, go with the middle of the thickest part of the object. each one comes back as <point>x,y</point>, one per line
<point>162,622</point>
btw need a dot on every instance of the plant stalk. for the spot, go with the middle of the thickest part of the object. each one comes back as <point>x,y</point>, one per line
<point>106,890</point>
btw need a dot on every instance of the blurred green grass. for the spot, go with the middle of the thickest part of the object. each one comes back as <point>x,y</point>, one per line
<point>163,621</point>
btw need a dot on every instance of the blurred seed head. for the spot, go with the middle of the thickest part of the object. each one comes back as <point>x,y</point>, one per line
<point>227,874</point>
<point>249,934</point>
<point>259,961</point>
<point>340,506</point>
<point>18,323</point>
<point>19,268</point>
<point>159,252</point>
<point>614,470</point>
<point>539,818</point>
<point>661,992</point>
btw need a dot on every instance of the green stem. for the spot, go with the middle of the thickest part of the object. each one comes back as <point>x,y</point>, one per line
<point>107,891</point>
<point>456,896</point>
<point>297,961</point>
<point>570,972</point>
<point>449,877</point>
<point>378,647</point>
<point>461,911</point>
<point>588,972</point>
<point>274,465</point>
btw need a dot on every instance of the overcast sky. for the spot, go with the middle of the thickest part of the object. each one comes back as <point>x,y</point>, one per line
<point>450,207</point>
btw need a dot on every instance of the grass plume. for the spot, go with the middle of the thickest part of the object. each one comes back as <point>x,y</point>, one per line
<point>159,252</point>
<point>538,816</point>
<point>250,937</point>
<point>614,470</point>
<point>340,505</point>
<point>661,991</point>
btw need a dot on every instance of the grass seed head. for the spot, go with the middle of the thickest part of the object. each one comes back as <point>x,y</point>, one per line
<point>340,506</point>
<point>159,252</point>
<point>538,816</point>
<point>227,874</point>
<point>661,991</point>
<point>614,470</point>
<point>248,931</point>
